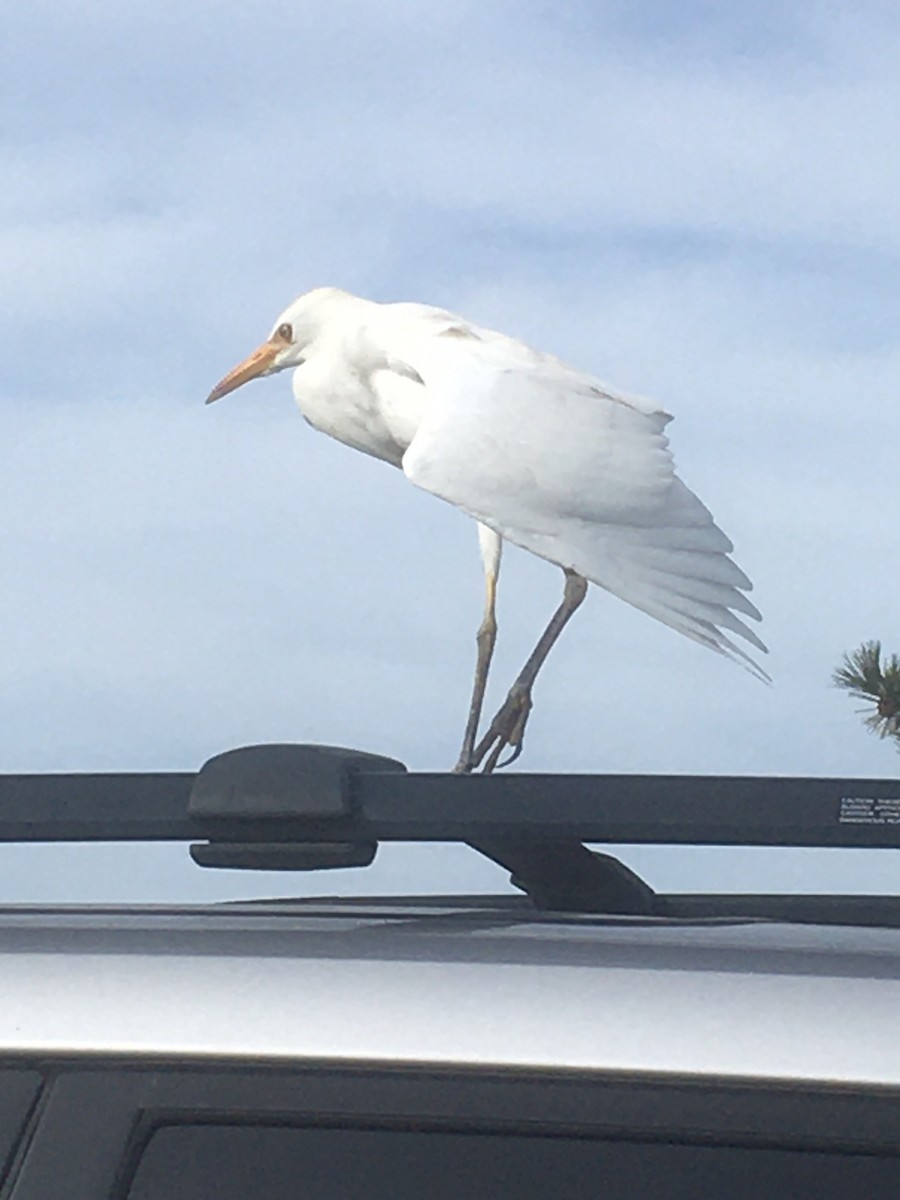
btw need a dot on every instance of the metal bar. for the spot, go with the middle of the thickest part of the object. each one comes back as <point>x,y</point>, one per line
<point>96,808</point>
<point>634,809</point>
<point>623,809</point>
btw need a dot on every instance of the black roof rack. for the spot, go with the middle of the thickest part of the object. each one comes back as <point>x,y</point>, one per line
<point>283,807</point>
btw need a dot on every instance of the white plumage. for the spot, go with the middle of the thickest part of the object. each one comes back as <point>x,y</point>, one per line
<point>543,455</point>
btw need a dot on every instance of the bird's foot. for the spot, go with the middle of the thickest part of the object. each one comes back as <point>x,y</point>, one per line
<point>506,730</point>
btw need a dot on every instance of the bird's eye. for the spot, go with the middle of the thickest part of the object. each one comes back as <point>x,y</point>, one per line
<point>285,333</point>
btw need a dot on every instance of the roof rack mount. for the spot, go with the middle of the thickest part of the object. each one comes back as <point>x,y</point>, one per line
<point>294,807</point>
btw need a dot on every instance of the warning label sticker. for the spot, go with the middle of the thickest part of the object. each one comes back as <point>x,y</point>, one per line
<point>870,810</point>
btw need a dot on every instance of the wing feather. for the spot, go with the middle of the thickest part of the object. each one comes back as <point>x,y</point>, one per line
<point>562,465</point>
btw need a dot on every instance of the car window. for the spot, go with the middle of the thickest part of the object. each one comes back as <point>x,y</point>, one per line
<point>235,1162</point>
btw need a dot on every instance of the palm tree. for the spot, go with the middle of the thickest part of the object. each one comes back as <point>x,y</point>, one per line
<point>865,676</point>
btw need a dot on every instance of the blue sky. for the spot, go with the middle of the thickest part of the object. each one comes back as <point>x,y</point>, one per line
<point>696,202</point>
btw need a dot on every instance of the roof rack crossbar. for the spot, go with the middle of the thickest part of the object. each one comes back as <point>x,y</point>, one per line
<point>313,807</point>
<point>375,800</point>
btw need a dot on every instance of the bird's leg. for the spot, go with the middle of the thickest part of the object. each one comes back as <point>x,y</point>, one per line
<point>508,726</point>
<point>491,544</point>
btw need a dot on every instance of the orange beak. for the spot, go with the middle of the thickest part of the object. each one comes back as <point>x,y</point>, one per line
<point>251,368</point>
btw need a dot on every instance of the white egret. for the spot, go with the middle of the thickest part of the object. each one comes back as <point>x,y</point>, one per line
<point>538,453</point>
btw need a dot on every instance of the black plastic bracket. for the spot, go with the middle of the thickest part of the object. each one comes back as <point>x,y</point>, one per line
<point>253,799</point>
<point>565,876</point>
<point>279,782</point>
<point>283,856</point>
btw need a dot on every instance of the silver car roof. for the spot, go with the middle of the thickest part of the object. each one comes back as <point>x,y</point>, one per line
<point>473,987</point>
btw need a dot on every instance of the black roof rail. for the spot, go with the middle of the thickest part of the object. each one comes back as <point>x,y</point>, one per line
<point>285,807</point>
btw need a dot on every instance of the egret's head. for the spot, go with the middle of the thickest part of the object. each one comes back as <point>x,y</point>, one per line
<point>294,330</point>
<point>278,351</point>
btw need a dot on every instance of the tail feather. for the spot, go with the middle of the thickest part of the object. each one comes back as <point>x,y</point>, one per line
<point>699,628</point>
<point>711,566</point>
<point>691,609</point>
<point>705,591</point>
<point>678,574</point>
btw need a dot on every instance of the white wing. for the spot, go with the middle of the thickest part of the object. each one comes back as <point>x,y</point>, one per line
<point>561,465</point>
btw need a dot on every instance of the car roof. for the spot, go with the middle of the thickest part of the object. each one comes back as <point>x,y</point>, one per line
<point>474,985</point>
